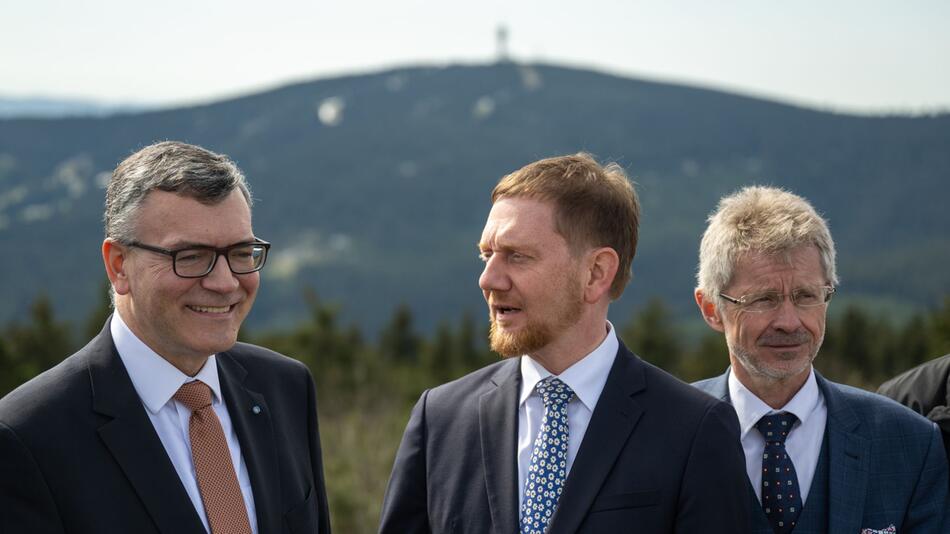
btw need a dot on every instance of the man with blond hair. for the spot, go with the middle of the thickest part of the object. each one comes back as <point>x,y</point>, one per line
<point>572,432</point>
<point>820,456</point>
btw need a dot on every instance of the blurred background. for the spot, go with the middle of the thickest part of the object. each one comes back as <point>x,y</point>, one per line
<point>373,132</point>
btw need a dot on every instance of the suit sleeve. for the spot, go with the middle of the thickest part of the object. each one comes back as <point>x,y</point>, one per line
<point>316,460</point>
<point>928,507</point>
<point>25,499</point>
<point>715,492</point>
<point>405,508</point>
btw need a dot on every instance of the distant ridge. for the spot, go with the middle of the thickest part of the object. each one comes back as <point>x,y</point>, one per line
<point>374,187</point>
<point>55,108</point>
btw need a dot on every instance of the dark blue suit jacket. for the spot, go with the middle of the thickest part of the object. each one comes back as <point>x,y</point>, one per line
<point>887,463</point>
<point>657,457</point>
<point>79,454</point>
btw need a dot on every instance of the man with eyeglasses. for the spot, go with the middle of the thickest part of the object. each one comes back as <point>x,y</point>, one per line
<point>163,423</point>
<point>820,456</point>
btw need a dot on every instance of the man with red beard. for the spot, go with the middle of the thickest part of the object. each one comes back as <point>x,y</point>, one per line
<point>820,456</point>
<point>571,432</point>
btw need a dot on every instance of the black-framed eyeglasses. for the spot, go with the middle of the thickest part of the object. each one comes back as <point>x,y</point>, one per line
<point>802,297</point>
<point>198,261</point>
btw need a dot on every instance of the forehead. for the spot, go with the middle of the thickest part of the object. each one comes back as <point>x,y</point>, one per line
<point>783,270</point>
<point>165,219</point>
<point>520,220</point>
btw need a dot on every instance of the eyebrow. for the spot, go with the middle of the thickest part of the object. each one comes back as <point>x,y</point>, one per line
<point>533,250</point>
<point>194,244</point>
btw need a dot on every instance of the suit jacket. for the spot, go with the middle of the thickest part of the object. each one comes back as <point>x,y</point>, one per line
<point>78,452</point>
<point>657,457</point>
<point>886,467</point>
<point>926,390</point>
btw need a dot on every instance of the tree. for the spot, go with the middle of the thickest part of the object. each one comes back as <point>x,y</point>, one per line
<point>35,347</point>
<point>97,318</point>
<point>940,329</point>
<point>398,341</point>
<point>652,337</point>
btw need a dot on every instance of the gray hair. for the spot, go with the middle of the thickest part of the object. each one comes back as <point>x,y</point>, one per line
<point>171,166</point>
<point>759,219</point>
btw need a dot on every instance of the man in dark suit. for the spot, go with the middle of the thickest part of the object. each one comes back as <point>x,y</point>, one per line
<point>572,433</point>
<point>820,456</point>
<point>926,390</point>
<point>162,423</point>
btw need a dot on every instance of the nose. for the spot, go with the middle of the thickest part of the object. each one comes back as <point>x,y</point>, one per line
<point>787,318</point>
<point>494,277</point>
<point>220,279</point>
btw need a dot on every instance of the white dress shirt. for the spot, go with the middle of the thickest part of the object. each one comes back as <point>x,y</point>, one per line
<point>586,377</point>
<point>156,381</point>
<point>803,442</point>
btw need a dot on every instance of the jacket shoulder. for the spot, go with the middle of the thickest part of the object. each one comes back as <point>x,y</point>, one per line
<point>680,394</point>
<point>51,393</point>
<point>256,358</point>
<point>883,415</point>
<point>475,383</point>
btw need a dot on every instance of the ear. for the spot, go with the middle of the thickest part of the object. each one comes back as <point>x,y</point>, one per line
<point>114,256</point>
<point>602,264</point>
<point>710,311</point>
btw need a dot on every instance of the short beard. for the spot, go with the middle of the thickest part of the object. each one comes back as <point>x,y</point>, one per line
<point>537,335</point>
<point>755,367</point>
<point>507,344</point>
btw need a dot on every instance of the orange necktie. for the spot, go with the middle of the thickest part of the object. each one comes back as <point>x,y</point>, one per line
<point>217,481</point>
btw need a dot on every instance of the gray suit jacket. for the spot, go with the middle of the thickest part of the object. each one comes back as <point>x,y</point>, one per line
<point>887,463</point>
<point>78,452</point>
<point>657,457</point>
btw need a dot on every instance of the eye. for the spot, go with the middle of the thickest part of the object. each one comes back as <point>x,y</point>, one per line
<point>763,301</point>
<point>484,255</point>
<point>190,255</point>
<point>808,296</point>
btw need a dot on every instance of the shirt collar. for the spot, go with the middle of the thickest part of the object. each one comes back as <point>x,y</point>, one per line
<point>155,380</point>
<point>750,408</point>
<point>586,377</point>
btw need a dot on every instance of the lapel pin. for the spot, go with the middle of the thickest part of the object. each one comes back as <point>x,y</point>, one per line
<point>256,409</point>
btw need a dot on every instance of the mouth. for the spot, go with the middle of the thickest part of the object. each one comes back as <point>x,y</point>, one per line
<point>784,341</point>
<point>504,312</point>
<point>210,310</point>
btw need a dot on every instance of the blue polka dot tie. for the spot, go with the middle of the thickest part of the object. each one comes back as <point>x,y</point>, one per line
<point>781,500</point>
<point>548,467</point>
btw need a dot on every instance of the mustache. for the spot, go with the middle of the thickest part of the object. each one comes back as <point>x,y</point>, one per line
<point>781,338</point>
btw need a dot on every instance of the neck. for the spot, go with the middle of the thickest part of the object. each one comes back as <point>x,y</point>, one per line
<point>187,365</point>
<point>571,346</point>
<point>772,391</point>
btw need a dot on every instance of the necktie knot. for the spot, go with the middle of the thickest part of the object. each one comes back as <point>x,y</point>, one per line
<point>195,395</point>
<point>553,392</point>
<point>776,427</point>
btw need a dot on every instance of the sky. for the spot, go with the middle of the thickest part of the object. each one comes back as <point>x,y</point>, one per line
<point>867,56</point>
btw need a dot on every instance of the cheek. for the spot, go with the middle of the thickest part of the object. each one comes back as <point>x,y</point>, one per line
<point>251,283</point>
<point>816,328</point>
<point>748,330</point>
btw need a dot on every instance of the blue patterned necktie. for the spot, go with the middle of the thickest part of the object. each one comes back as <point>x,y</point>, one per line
<point>781,500</point>
<point>548,467</point>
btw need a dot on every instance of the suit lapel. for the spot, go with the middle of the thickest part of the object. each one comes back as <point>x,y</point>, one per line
<point>130,437</point>
<point>498,427</point>
<point>849,453</point>
<point>253,424</point>
<point>717,387</point>
<point>614,418</point>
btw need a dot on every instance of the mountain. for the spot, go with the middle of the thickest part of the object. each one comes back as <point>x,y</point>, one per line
<point>58,108</point>
<point>374,188</point>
